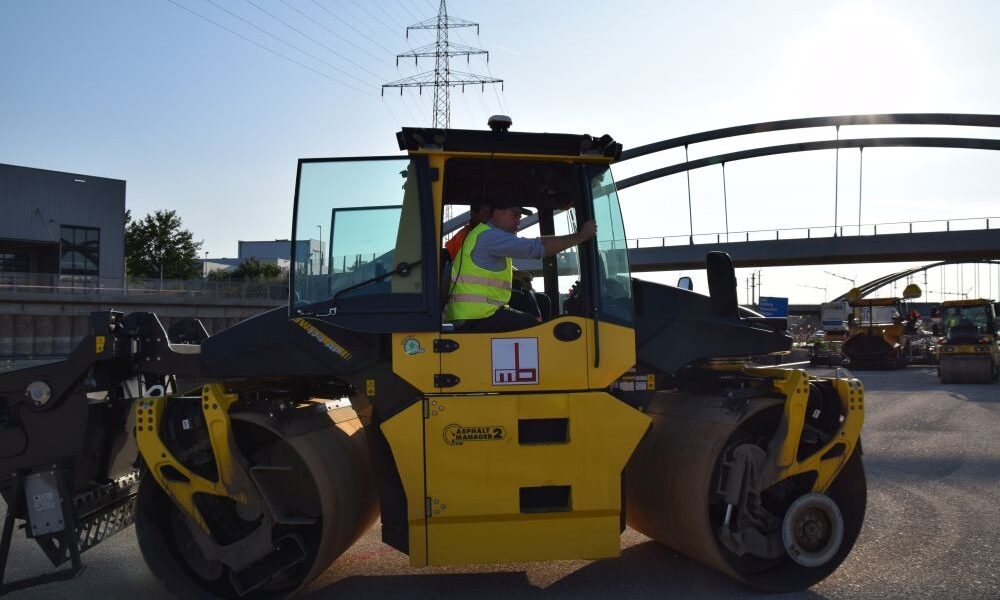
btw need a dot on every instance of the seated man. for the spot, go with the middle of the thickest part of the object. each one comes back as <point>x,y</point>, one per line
<point>478,213</point>
<point>482,272</point>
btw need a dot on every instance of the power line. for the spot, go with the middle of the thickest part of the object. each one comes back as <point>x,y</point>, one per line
<point>392,114</point>
<point>359,21</point>
<point>269,49</point>
<point>413,118</point>
<point>377,20</point>
<point>353,28</point>
<point>289,44</point>
<point>416,7</point>
<point>412,16</point>
<point>390,17</point>
<point>498,95</point>
<point>361,48</point>
<point>308,37</point>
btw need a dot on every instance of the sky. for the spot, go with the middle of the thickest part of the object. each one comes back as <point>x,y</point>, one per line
<point>204,106</point>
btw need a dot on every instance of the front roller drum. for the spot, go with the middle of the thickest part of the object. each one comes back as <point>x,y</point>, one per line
<point>673,484</point>
<point>320,481</point>
<point>966,369</point>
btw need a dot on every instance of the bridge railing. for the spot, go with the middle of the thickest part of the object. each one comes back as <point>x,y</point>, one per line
<point>828,231</point>
<point>53,283</point>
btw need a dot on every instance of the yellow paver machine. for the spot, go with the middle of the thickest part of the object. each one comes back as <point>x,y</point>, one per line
<point>880,331</point>
<point>251,459</point>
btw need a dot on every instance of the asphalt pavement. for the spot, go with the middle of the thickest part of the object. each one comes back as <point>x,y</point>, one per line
<point>932,455</point>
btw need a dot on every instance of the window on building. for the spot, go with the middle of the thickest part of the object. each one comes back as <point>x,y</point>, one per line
<point>80,250</point>
<point>13,262</point>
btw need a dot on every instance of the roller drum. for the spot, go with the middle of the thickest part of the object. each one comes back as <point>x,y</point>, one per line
<point>966,369</point>
<point>672,482</point>
<point>331,481</point>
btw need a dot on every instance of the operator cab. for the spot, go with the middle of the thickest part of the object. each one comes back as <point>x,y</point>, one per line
<point>369,232</point>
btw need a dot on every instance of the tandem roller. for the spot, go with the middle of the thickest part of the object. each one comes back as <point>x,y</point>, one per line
<point>485,446</point>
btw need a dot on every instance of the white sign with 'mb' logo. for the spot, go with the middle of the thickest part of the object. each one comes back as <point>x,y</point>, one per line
<point>515,361</point>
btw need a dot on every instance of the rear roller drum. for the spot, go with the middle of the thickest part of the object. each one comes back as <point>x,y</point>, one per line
<point>318,487</point>
<point>683,489</point>
<point>964,369</point>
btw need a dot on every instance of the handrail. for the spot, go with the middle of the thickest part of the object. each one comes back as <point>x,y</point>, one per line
<point>838,229</point>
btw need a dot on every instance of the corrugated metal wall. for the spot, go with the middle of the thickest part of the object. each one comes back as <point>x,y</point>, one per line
<point>35,203</point>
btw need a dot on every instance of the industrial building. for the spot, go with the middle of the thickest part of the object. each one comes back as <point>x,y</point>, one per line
<point>308,252</point>
<point>61,229</point>
<point>275,252</point>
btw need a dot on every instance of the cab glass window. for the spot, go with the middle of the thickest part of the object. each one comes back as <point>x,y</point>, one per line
<point>567,261</point>
<point>614,280</point>
<point>358,237</point>
<point>876,314</point>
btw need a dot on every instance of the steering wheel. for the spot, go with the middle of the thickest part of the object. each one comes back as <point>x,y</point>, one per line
<point>573,304</point>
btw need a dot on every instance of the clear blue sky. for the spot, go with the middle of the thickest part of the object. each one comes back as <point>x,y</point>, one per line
<point>198,119</point>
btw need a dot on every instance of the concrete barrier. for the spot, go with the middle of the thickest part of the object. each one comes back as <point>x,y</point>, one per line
<point>42,325</point>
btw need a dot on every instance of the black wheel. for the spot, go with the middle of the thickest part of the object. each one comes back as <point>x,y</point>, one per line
<point>817,531</point>
<point>323,490</point>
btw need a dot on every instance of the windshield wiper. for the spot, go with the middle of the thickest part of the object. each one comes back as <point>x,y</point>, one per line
<point>403,269</point>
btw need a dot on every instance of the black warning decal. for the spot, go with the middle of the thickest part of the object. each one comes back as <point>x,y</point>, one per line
<point>456,435</point>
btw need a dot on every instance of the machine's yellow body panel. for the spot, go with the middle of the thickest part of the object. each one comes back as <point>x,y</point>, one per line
<point>525,360</point>
<point>617,353</point>
<point>231,482</point>
<point>825,462</point>
<point>477,466</point>
<point>414,359</point>
<point>485,362</point>
<point>404,431</point>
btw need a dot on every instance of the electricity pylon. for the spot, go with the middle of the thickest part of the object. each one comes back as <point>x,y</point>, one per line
<point>442,78</point>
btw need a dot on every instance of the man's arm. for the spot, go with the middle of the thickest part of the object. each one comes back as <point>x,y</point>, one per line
<point>554,244</point>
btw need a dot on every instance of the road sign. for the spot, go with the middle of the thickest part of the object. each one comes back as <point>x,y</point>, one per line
<point>773,307</point>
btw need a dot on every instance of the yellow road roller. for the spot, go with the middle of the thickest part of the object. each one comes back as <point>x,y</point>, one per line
<point>969,349</point>
<point>249,460</point>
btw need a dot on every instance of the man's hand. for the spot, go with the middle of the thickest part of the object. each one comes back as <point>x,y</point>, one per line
<point>587,231</point>
<point>554,244</point>
<point>522,278</point>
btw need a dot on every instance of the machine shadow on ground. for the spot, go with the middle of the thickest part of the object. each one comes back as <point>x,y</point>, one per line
<point>646,570</point>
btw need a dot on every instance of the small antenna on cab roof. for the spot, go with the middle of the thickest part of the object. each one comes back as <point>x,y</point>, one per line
<point>499,123</point>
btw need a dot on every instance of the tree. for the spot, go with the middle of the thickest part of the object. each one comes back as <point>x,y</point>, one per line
<point>252,268</point>
<point>157,246</point>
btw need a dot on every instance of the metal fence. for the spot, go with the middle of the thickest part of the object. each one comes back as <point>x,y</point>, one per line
<point>254,289</point>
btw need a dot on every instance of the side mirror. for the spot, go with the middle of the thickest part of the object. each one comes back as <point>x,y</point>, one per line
<point>685,283</point>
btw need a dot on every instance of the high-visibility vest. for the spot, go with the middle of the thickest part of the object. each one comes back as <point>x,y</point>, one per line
<point>476,293</point>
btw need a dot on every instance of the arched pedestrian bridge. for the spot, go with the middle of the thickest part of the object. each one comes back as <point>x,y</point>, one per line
<point>952,240</point>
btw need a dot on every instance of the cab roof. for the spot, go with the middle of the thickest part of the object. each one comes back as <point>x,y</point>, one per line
<point>414,139</point>
<point>969,302</point>
<point>876,302</point>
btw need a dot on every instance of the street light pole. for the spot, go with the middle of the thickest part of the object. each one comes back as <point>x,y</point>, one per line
<point>853,283</point>
<point>320,249</point>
